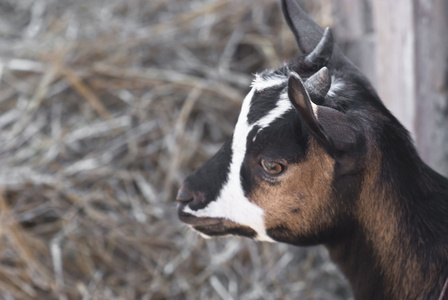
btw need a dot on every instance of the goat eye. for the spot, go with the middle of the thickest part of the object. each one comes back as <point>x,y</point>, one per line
<point>271,167</point>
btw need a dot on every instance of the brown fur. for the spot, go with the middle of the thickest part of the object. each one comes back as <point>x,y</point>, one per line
<point>385,241</point>
<point>293,202</point>
<point>303,203</point>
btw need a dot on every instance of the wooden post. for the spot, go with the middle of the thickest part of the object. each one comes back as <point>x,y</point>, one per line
<point>395,58</point>
<point>402,47</point>
<point>431,77</point>
<point>412,53</point>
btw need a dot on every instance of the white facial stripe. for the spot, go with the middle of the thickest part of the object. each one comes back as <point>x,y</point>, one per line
<point>231,203</point>
<point>261,83</point>
<point>283,105</point>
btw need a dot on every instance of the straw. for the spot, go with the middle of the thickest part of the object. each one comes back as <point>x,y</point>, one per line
<point>105,107</point>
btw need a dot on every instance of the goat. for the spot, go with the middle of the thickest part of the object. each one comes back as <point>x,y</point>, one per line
<point>316,158</point>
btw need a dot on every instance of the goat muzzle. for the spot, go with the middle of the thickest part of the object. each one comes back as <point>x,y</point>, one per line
<point>184,195</point>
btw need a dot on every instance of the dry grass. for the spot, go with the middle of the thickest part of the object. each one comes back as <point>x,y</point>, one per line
<point>105,106</point>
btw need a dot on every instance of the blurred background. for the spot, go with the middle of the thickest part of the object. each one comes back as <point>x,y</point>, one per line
<point>107,105</point>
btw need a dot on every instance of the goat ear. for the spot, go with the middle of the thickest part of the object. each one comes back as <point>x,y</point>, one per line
<point>329,126</point>
<point>310,37</point>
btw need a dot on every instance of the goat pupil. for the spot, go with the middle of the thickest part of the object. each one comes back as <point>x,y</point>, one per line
<point>272,167</point>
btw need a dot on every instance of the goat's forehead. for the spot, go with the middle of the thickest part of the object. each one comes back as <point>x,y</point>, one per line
<point>269,91</point>
<point>267,101</point>
<point>270,78</point>
<point>267,104</point>
<point>273,81</point>
<point>262,112</point>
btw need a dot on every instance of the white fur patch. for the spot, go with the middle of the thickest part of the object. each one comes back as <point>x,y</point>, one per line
<point>336,86</point>
<point>260,83</point>
<point>283,105</point>
<point>231,203</point>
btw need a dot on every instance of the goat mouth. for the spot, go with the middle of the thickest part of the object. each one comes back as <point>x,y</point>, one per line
<point>198,221</point>
<point>215,226</point>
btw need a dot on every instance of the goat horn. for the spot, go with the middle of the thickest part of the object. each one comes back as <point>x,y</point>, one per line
<point>322,53</point>
<point>318,85</point>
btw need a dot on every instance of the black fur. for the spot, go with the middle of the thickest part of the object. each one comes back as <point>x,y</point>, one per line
<point>206,182</point>
<point>262,103</point>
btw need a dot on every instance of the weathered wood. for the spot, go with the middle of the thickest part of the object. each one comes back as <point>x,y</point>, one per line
<point>354,32</point>
<point>402,47</point>
<point>431,81</point>
<point>412,71</point>
<point>395,58</point>
<point>407,62</point>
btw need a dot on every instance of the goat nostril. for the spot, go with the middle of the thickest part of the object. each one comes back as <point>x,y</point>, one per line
<point>184,195</point>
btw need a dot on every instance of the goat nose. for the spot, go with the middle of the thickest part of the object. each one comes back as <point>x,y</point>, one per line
<point>184,194</point>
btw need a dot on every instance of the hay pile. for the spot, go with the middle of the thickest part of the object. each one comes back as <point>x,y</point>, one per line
<point>105,106</point>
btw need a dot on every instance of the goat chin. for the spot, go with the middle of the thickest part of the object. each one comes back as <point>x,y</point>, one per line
<point>204,236</point>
